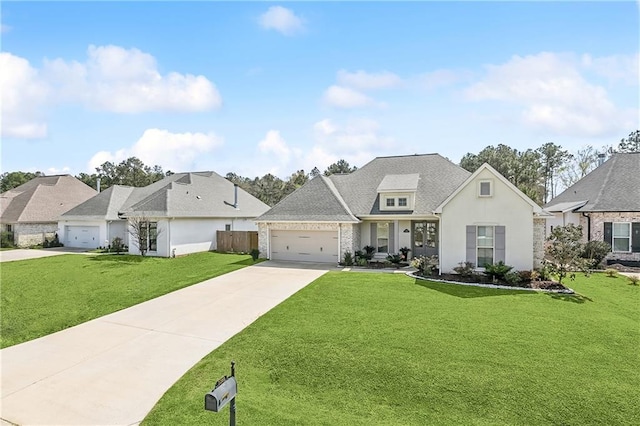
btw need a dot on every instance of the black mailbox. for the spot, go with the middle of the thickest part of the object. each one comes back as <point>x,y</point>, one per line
<point>221,395</point>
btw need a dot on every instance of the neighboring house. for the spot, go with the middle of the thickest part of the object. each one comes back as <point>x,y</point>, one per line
<point>182,214</point>
<point>30,211</point>
<point>606,202</point>
<point>423,202</point>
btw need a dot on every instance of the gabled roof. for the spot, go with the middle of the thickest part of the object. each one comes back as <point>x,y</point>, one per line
<point>197,194</point>
<point>614,186</point>
<point>318,200</point>
<point>350,196</point>
<point>536,208</point>
<point>43,199</point>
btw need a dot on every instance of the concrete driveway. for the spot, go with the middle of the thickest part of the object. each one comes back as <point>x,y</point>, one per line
<point>112,370</point>
<point>24,254</point>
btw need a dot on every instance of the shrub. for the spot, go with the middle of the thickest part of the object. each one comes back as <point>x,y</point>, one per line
<point>6,239</point>
<point>633,279</point>
<point>358,254</point>
<point>404,251</point>
<point>361,261</point>
<point>368,252</point>
<point>526,276</point>
<point>563,253</point>
<point>395,259</point>
<point>255,253</point>
<point>464,269</point>
<point>611,273</point>
<point>595,252</point>
<point>116,245</point>
<point>425,265</point>
<point>348,258</point>
<point>543,273</point>
<point>514,278</point>
<point>497,271</point>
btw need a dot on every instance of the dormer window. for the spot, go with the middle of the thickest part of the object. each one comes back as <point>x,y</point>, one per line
<point>402,202</point>
<point>485,188</point>
<point>391,202</point>
<point>398,192</point>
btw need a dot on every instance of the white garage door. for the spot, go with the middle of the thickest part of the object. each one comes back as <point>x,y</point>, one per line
<point>83,236</point>
<point>305,246</point>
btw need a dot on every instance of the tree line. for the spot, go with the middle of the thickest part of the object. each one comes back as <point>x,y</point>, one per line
<point>540,173</point>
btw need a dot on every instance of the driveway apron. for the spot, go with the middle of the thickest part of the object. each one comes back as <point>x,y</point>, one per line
<point>112,370</point>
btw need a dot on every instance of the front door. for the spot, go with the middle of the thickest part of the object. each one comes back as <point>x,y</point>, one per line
<point>425,238</point>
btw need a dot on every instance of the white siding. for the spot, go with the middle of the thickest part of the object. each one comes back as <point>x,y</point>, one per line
<point>563,219</point>
<point>504,208</point>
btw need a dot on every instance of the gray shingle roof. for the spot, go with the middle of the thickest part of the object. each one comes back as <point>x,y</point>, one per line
<point>612,187</point>
<point>356,194</point>
<point>43,199</point>
<point>198,194</point>
<point>316,200</point>
<point>408,182</point>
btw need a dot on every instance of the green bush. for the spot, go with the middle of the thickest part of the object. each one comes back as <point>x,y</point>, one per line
<point>361,261</point>
<point>404,251</point>
<point>368,252</point>
<point>425,265</point>
<point>633,280</point>
<point>595,252</point>
<point>6,239</point>
<point>514,278</point>
<point>543,273</point>
<point>464,269</point>
<point>395,259</point>
<point>255,253</point>
<point>497,271</point>
<point>611,273</point>
<point>116,245</point>
<point>348,259</point>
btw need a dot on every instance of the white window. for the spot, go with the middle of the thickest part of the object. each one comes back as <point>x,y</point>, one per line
<point>402,202</point>
<point>622,237</point>
<point>484,246</point>
<point>383,237</point>
<point>485,188</point>
<point>391,202</point>
<point>149,236</point>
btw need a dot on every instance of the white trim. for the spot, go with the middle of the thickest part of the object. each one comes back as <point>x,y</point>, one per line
<point>613,237</point>
<point>485,166</point>
<point>490,182</point>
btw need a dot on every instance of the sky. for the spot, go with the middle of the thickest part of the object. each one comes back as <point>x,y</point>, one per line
<point>260,87</point>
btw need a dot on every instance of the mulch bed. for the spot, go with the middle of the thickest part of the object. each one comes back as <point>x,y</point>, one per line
<point>481,279</point>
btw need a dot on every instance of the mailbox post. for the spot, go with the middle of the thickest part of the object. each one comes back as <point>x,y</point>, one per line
<point>223,393</point>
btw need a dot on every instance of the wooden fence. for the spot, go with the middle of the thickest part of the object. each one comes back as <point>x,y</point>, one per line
<point>237,241</point>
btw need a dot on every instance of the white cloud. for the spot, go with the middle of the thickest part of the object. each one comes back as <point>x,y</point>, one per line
<point>273,143</point>
<point>281,19</point>
<point>173,151</point>
<point>552,95</point>
<point>128,81</point>
<point>57,171</point>
<point>623,68</point>
<point>363,80</point>
<point>345,97</point>
<point>23,94</point>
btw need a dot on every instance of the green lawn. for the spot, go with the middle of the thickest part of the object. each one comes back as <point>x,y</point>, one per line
<point>362,348</point>
<point>42,296</point>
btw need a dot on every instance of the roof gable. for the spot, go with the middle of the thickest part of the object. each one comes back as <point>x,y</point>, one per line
<point>536,208</point>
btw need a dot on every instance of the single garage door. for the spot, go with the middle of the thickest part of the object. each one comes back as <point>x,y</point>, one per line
<point>83,236</point>
<point>305,246</point>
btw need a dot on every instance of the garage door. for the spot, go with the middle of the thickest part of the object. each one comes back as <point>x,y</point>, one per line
<point>305,246</point>
<point>83,236</point>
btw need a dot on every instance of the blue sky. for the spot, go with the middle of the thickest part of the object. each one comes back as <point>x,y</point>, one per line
<point>258,87</point>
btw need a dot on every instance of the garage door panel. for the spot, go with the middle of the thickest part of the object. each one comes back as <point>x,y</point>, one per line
<point>83,236</point>
<point>305,246</point>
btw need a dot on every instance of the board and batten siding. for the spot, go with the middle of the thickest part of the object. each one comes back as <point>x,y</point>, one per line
<point>505,210</point>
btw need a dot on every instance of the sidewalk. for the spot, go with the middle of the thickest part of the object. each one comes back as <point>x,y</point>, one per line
<point>112,370</point>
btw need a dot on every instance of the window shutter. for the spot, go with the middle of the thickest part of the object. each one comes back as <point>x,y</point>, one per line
<point>608,233</point>
<point>499,242</point>
<point>635,237</point>
<point>392,234</point>
<point>471,244</point>
<point>374,235</point>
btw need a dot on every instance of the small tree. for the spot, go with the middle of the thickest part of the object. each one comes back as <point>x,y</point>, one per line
<point>144,233</point>
<point>563,255</point>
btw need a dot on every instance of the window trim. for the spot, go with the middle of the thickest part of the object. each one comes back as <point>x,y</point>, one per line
<point>613,237</point>
<point>378,236</point>
<point>406,202</point>
<point>488,181</point>
<point>390,202</point>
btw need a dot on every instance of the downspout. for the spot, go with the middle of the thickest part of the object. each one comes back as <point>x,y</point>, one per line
<point>588,226</point>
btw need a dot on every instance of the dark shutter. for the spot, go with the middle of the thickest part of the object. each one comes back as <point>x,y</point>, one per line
<point>499,242</point>
<point>392,235</point>
<point>374,235</point>
<point>635,237</point>
<point>608,233</point>
<point>471,244</point>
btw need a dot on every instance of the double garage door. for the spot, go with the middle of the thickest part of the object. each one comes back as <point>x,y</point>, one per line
<point>305,246</point>
<point>83,236</point>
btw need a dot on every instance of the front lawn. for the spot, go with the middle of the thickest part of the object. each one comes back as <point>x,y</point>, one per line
<point>42,296</point>
<point>363,348</point>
